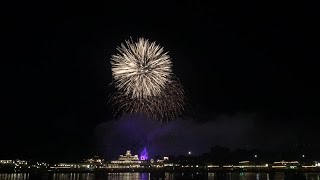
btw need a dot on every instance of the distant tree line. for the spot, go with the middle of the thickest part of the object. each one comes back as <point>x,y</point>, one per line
<point>224,155</point>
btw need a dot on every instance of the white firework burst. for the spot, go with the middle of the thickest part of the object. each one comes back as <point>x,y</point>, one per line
<point>141,69</point>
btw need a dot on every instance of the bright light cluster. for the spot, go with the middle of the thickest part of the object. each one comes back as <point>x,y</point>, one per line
<point>144,81</point>
<point>141,69</point>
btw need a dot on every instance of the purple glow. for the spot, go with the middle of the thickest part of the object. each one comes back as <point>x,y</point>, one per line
<point>175,137</point>
<point>144,154</point>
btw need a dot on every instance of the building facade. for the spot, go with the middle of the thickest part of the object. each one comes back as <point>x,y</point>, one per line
<point>126,161</point>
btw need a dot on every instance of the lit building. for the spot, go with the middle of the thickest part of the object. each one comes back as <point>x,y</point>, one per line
<point>16,162</point>
<point>128,157</point>
<point>286,164</point>
<point>72,166</point>
<point>248,164</point>
<point>212,166</point>
<point>21,162</point>
<point>95,160</point>
<point>7,162</point>
<point>159,163</point>
<point>126,161</point>
<point>87,164</point>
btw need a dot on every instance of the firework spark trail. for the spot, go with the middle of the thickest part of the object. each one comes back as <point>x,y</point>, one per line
<point>168,105</point>
<point>144,81</point>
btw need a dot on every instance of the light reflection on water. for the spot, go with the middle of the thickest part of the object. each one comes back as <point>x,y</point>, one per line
<point>14,176</point>
<point>163,176</point>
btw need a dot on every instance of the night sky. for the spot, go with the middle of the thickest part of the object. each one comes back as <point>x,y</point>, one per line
<point>248,69</point>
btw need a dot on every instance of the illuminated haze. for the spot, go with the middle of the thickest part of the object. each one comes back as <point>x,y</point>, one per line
<point>173,138</point>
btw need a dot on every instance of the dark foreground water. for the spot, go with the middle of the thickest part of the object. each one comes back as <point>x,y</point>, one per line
<point>163,176</point>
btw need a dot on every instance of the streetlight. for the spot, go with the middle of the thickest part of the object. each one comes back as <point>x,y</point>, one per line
<point>189,152</point>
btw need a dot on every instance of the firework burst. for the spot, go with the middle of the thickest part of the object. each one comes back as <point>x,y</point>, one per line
<point>144,81</point>
<point>141,69</point>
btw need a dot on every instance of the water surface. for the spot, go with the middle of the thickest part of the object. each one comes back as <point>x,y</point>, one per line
<point>163,176</point>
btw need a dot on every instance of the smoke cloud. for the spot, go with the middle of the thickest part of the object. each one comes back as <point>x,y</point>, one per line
<point>174,138</point>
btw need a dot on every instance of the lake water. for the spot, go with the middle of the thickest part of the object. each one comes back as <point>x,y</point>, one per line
<point>163,176</point>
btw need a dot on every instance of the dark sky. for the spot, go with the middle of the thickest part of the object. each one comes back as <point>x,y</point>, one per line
<point>248,58</point>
